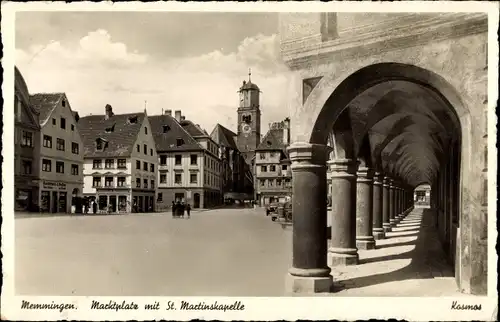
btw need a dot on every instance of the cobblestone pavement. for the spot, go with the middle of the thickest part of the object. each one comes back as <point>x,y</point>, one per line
<point>224,252</point>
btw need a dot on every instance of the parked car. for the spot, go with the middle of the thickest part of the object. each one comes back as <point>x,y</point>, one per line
<point>272,208</point>
<point>284,212</point>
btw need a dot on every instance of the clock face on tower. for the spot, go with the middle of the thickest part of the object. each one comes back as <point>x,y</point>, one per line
<point>245,128</point>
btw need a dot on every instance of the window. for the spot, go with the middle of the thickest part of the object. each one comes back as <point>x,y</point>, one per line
<point>63,103</point>
<point>109,164</point>
<point>145,130</point>
<point>166,128</point>
<point>59,167</point>
<point>278,182</point>
<point>247,118</point>
<point>121,181</point>
<point>132,119</point>
<point>271,183</point>
<point>122,164</point>
<point>151,152</point>
<point>63,123</point>
<point>27,169</point>
<point>53,121</point>
<point>163,178</point>
<point>138,148</point>
<point>163,160</point>
<point>263,168</point>
<point>145,183</point>
<point>47,141</point>
<point>108,181</point>
<point>178,178</point>
<point>160,197</point>
<point>96,182</point>
<point>180,142</point>
<point>46,165</point>
<point>194,159</point>
<point>75,148</point>
<point>138,165</point>
<point>193,178</point>
<point>178,159</point>
<point>27,139</point>
<point>152,184</point>
<point>145,149</point>
<point>272,168</point>
<point>60,145</point>
<point>284,167</point>
<point>98,144</point>
<point>262,156</point>
<point>145,166</point>
<point>272,154</point>
<point>74,169</point>
<point>97,164</point>
<point>152,167</point>
<point>138,183</point>
<point>72,127</point>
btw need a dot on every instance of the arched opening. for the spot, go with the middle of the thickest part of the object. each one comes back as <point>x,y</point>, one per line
<point>391,127</point>
<point>196,200</point>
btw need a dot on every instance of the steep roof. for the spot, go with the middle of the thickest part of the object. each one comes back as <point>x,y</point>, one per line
<point>223,136</point>
<point>193,129</point>
<point>45,103</point>
<point>273,140</point>
<point>120,141</point>
<point>20,86</point>
<point>167,141</point>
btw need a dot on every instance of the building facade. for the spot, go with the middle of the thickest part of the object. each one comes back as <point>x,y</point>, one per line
<point>272,165</point>
<point>120,162</point>
<point>26,148</point>
<point>363,86</point>
<point>189,167</point>
<point>61,156</point>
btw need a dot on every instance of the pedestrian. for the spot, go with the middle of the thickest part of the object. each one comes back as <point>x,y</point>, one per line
<point>183,207</point>
<point>178,208</point>
<point>94,207</point>
<point>188,210</point>
<point>173,209</point>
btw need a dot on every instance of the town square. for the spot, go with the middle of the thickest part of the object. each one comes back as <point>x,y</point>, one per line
<point>273,154</point>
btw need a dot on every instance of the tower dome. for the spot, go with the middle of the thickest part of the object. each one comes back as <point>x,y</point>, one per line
<point>249,85</point>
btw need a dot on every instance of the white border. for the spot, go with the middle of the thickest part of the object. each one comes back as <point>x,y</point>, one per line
<point>347,308</point>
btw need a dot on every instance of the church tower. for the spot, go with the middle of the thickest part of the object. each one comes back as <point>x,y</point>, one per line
<point>248,119</point>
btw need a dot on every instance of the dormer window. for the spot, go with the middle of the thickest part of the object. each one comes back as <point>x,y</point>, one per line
<point>110,129</point>
<point>100,144</point>
<point>269,143</point>
<point>63,103</point>
<point>166,128</point>
<point>132,119</point>
<point>180,142</point>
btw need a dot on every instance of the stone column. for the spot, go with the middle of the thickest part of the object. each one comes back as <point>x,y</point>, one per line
<point>343,249</point>
<point>310,272</point>
<point>392,203</point>
<point>396,202</point>
<point>378,230</point>
<point>364,208</point>
<point>386,205</point>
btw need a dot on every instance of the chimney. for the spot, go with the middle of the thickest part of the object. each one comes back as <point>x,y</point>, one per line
<point>286,131</point>
<point>183,118</point>
<point>178,115</point>
<point>109,112</point>
<point>168,112</point>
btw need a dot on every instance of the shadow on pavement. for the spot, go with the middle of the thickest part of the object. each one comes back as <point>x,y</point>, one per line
<point>428,258</point>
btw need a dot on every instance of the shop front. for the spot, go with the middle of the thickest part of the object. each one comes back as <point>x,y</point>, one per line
<point>26,195</point>
<point>143,201</point>
<point>110,201</point>
<point>57,196</point>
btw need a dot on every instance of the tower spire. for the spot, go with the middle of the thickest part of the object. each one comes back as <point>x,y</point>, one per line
<point>249,74</point>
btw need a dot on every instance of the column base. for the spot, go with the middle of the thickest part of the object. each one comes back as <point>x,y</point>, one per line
<point>343,256</point>
<point>393,222</point>
<point>378,233</point>
<point>387,227</point>
<point>365,244</point>
<point>308,285</point>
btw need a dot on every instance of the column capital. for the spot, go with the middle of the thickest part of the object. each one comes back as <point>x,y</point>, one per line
<point>342,167</point>
<point>308,154</point>
<point>364,174</point>
<point>378,178</point>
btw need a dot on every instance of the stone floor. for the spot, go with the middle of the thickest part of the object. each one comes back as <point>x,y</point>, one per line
<point>224,252</point>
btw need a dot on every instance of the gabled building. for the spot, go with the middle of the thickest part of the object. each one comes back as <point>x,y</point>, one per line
<point>61,158</point>
<point>120,162</point>
<point>272,165</point>
<point>236,174</point>
<point>189,164</point>
<point>26,148</point>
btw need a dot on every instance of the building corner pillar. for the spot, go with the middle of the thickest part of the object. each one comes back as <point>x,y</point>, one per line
<point>364,209</point>
<point>378,229</point>
<point>309,272</point>
<point>343,249</point>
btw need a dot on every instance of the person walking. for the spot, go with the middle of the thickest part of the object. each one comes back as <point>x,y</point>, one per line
<point>183,207</point>
<point>173,209</point>
<point>178,208</point>
<point>188,210</point>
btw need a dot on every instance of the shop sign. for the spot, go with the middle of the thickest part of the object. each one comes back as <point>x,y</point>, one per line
<point>54,185</point>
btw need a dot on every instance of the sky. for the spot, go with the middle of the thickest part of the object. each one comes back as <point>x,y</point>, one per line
<point>194,62</point>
